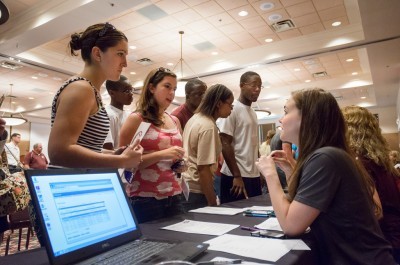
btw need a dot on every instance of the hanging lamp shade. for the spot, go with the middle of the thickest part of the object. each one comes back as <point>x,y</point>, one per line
<point>12,119</point>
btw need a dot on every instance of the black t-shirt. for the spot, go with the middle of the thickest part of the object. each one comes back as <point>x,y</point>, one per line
<point>346,230</point>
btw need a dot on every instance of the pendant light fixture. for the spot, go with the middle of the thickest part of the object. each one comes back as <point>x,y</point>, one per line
<point>12,119</point>
<point>180,91</point>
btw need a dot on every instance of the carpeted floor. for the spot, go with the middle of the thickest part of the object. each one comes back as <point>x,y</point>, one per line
<point>33,243</point>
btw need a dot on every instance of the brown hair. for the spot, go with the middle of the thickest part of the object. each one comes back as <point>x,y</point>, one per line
<point>320,111</point>
<point>103,35</point>
<point>146,105</point>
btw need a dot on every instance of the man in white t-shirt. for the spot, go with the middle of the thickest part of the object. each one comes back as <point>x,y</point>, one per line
<point>121,94</point>
<point>240,177</point>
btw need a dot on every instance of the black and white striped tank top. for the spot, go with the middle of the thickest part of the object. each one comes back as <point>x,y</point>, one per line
<point>96,128</point>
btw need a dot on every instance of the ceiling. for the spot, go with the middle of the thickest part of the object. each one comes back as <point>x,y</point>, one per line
<point>358,61</point>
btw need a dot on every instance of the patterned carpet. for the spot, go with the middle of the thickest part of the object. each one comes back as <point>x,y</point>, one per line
<point>33,242</point>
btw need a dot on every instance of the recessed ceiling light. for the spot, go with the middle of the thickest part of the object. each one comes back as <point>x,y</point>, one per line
<point>170,64</point>
<point>42,75</point>
<point>296,69</point>
<point>34,77</point>
<point>51,93</point>
<point>354,73</point>
<point>133,73</point>
<point>275,17</point>
<point>349,60</point>
<point>38,106</point>
<point>243,13</point>
<point>308,81</point>
<point>267,6</point>
<point>31,98</point>
<point>132,47</point>
<point>214,53</point>
<point>336,23</point>
<point>269,40</point>
<point>363,97</point>
<point>13,102</point>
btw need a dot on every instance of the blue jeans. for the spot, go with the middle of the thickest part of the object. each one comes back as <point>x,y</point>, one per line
<point>196,200</point>
<point>252,185</point>
<point>148,208</point>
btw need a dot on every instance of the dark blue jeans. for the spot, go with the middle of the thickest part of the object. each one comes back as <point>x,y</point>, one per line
<point>148,208</point>
<point>252,185</point>
<point>196,200</point>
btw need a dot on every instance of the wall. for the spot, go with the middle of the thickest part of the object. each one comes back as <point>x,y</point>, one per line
<point>393,140</point>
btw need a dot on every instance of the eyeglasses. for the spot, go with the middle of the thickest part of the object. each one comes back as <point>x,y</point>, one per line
<point>106,27</point>
<point>127,91</point>
<point>253,86</point>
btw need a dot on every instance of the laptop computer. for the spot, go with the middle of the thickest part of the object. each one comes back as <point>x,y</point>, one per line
<point>85,215</point>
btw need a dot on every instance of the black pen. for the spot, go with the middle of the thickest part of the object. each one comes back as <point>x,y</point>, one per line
<point>249,228</point>
<point>220,262</point>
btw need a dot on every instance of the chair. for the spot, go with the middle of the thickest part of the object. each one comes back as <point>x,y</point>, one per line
<point>18,221</point>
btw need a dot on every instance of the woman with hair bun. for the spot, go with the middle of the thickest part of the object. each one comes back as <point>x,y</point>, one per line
<point>79,120</point>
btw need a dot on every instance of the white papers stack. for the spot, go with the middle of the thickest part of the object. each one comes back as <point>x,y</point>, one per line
<point>255,247</point>
<point>259,208</point>
<point>204,228</point>
<point>217,210</point>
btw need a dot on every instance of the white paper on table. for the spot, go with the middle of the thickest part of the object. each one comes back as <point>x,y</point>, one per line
<point>204,228</point>
<point>217,210</point>
<point>243,261</point>
<point>259,208</point>
<point>270,224</point>
<point>253,247</point>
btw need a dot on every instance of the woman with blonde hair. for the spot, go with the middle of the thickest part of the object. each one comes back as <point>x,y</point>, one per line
<point>371,148</point>
<point>265,147</point>
<point>327,190</point>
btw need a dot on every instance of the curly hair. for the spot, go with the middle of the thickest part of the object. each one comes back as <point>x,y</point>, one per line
<point>365,136</point>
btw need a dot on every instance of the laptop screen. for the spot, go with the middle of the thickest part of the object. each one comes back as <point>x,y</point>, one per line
<point>81,209</point>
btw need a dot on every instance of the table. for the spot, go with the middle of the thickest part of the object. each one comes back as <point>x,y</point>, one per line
<point>151,230</point>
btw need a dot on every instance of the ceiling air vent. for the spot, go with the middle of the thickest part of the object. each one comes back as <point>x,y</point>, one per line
<point>145,61</point>
<point>283,25</point>
<point>10,65</point>
<point>320,74</point>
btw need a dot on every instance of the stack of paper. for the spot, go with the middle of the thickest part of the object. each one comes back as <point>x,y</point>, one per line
<point>204,228</point>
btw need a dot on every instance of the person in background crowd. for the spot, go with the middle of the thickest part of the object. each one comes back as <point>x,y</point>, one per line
<point>155,190</point>
<point>3,136</point>
<point>265,147</point>
<point>79,120</point>
<point>194,90</point>
<point>121,95</point>
<point>13,153</point>
<point>239,136</point>
<point>371,148</point>
<point>35,159</point>
<point>328,190</point>
<point>203,146</point>
<point>276,144</point>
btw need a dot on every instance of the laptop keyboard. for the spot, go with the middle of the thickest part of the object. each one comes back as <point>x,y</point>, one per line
<point>132,253</point>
